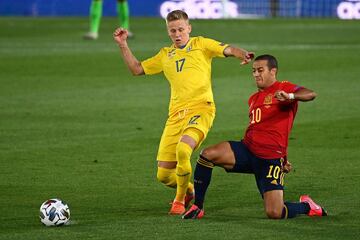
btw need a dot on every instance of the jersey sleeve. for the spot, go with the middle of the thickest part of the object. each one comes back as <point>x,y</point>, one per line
<point>153,65</point>
<point>290,87</point>
<point>213,48</point>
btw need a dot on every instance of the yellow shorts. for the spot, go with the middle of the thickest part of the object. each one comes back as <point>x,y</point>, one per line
<point>200,118</point>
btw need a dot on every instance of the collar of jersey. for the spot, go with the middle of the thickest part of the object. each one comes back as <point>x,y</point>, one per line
<point>183,47</point>
<point>274,85</point>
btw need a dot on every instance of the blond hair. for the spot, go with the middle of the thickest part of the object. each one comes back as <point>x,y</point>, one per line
<point>177,15</point>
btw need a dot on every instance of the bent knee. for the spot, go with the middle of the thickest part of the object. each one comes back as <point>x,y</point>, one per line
<point>273,214</point>
<point>166,176</point>
<point>209,153</point>
<point>161,177</point>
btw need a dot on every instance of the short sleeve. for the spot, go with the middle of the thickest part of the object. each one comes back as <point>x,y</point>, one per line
<point>213,48</point>
<point>290,87</point>
<point>153,65</point>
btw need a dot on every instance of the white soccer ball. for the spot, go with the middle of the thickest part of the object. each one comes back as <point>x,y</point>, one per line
<point>54,212</point>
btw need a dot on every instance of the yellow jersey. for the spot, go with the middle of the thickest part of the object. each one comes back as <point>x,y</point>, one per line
<point>188,71</point>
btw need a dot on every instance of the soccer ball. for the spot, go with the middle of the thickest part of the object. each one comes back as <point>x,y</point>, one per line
<point>54,212</point>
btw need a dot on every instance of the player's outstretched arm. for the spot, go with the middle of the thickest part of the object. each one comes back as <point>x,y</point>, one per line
<point>240,53</point>
<point>303,95</point>
<point>120,37</point>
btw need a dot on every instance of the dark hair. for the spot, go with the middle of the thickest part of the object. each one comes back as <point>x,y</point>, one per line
<point>271,60</point>
<point>176,15</point>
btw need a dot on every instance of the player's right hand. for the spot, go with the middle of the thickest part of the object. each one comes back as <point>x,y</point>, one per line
<point>120,35</point>
<point>286,167</point>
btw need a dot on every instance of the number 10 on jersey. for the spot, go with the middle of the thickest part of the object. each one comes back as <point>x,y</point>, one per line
<point>255,116</point>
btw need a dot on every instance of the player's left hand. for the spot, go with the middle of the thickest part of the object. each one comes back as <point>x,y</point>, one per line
<point>248,57</point>
<point>281,95</point>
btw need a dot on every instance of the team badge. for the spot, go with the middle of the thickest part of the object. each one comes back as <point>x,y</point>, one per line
<point>189,49</point>
<point>171,53</point>
<point>268,100</point>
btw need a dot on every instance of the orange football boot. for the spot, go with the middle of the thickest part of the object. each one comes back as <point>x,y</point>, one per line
<point>177,208</point>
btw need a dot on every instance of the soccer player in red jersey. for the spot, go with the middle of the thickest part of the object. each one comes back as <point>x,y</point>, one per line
<point>263,150</point>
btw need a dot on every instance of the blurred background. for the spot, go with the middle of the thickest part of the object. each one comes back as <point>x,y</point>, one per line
<point>344,9</point>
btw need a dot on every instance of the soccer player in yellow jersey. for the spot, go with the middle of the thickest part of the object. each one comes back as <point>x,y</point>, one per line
<point>187,66</point>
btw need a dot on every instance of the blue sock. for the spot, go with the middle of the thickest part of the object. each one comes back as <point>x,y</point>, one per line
<point>202,177</point>
<point>292,209</point>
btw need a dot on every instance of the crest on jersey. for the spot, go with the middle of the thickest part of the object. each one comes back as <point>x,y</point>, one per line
<point>189,49</point>
<point>171,53</point>
<point>268,100</point>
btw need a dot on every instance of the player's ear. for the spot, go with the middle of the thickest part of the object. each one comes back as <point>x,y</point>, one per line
<point>273,71</point>
<point>190,28</point>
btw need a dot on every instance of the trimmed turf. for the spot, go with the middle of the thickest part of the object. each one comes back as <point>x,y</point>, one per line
<point>75,124</point>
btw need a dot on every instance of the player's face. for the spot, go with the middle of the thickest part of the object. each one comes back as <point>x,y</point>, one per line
<point>264,77</point>
<point>179,32</point>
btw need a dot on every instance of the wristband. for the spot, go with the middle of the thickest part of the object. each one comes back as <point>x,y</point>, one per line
<point>291,96</point>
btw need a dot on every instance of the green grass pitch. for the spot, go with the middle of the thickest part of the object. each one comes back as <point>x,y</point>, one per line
<point>74,124</point>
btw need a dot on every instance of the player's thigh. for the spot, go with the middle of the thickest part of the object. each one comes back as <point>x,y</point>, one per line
<point>270,180</point>
<point>169,140</point>
<point>269,174</point>
<point>177,125</point>
<point>200,119</point>
<point>220,154</point>
<point>243,158</point>
<point>192,137</point>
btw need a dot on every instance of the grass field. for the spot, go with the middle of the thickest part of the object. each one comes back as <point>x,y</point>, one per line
<point>75,124</point>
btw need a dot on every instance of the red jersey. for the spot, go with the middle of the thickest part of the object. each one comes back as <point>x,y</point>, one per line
<point>270,121</point>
